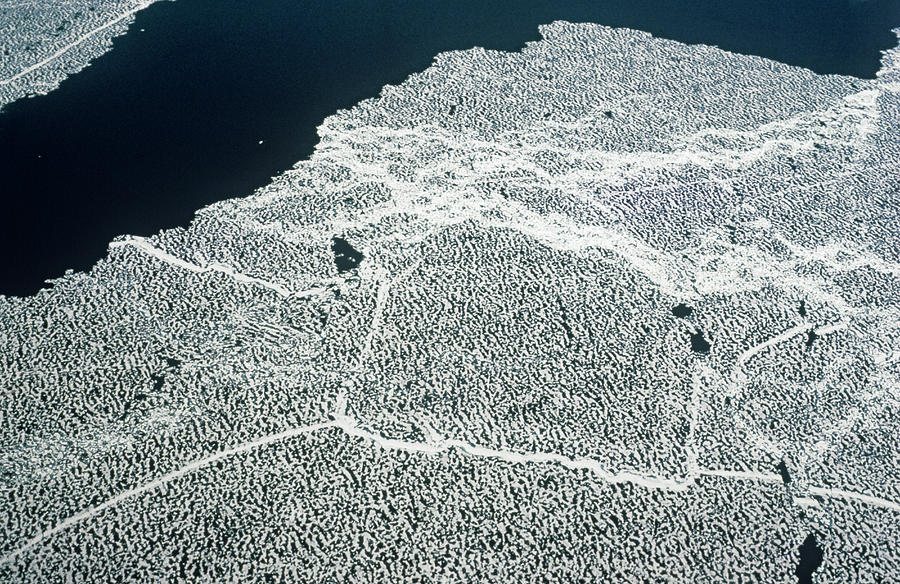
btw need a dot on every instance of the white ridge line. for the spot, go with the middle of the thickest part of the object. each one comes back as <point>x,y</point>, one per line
<point>381,295</point>
<point>142,244</point>
<point>744,475</point>
<point>158,482</point>
<point>350,427</point>
<point>76,42</point>
<point>579,463</point>
<point>790,333</point>
<point>851,496</point>
<point>145,246</point>
<point>831,328</point>
<point>381,298</point>
<point>756,349</point>
<point>693,467</point>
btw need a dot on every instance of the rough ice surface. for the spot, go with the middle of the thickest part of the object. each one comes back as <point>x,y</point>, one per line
<point>611,308</point>
<point>43,41</point>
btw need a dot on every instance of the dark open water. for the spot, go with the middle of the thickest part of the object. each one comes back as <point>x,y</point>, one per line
<point>170,119</point>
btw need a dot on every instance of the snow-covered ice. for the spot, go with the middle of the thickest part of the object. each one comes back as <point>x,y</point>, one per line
<point>444,347</point>
<point>43,41</point>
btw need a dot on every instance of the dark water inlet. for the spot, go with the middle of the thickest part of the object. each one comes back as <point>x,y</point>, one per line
<point>346,258</point>
<point>171,118</point>
<point>811,556</point>
<point>682,311</point>
<point>698,343</point>
<point>783,471</point>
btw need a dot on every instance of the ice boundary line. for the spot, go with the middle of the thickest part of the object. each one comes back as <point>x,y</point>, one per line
<point>145,246</point>
<point>351,428</point>
<point>851,496</point>
<point>76,42</point>
<point>790,333</point>
<point>158,482</point>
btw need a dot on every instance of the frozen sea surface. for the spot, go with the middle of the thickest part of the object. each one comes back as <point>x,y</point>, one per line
<point>43,41</point>
<point>610,308</point>
<point>171,118</point>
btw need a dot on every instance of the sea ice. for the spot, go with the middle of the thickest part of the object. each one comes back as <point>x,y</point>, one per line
<point>43,41</point>
<point>460,342</point>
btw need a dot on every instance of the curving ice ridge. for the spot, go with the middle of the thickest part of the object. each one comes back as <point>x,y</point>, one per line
<point>44,41</point>
<point>611,308</point>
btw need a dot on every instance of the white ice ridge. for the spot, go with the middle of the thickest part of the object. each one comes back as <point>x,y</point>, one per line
<point>142,244</point>
<point>158,482</point>
<point>595,170</point>
<point>741,475</point>
<point>792,332</point>
<point>851,496</point>
<point>47,40</point>
<point>351,427</point>
<point>65,49</point>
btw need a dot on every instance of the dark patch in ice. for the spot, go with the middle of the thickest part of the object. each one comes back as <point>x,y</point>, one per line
<point>811,556</point>
<point>783,471</point>
<point>565,324</point>
<point>346,258</point>
<point>732,230</point>
<point>698,343</point>
<point>811,337</point>
<point>802,309</point>
<point>682,311</point>
<point>158,381</point>
<point>568,330</point>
